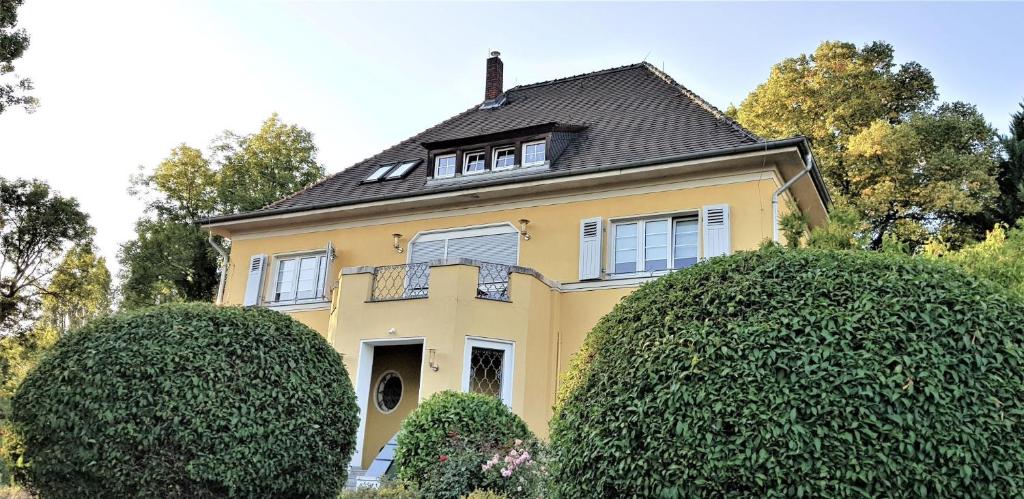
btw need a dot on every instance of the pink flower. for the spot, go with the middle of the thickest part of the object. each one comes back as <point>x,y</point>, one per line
<point>443,458</point>
<point>506,472</point>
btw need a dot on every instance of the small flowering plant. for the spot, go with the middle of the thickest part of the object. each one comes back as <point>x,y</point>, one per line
<point>515,471</point>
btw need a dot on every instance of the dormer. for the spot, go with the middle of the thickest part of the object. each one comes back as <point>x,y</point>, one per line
<point>531,148</point>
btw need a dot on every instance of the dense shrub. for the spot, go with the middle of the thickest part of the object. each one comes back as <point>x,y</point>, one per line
<point>800,372</point>
<point>188,401</point>
<point>446,441</point>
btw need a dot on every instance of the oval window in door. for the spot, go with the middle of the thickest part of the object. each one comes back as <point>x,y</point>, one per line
<point>389,392</point>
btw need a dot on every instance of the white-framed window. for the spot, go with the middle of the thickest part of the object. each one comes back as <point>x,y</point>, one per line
<point>444,166</point>
<point>487,368</point>
<point>504,158</point>
<point>473,162</point>
<point>654,244</point>
<point>299,278</point>
<point>534,153</point>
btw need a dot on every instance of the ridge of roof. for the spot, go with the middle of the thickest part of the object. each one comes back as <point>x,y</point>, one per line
<point>709,107</point>
<point>576,77</point>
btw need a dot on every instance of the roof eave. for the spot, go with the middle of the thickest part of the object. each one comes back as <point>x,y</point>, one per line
<point>800,142</point>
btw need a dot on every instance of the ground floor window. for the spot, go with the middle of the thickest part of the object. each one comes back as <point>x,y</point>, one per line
<point>654,244</point>
<point>487,368</point>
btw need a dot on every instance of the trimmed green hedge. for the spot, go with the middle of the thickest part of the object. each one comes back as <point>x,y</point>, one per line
<point>446,440</point>
<point>799,372</point>
<point>189,401</point>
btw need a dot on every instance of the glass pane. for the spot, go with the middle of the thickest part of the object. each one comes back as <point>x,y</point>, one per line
<point>685,243</point>
<point>534,153</point>
<point>308,273</point>
<point>445,167</point>
<point>656,245</point>
<point>625,248</point>
<point>284,288</point>
<point>485,371</point>
<point>474,163</point>
<point>504,159</point>
<point>322,278</point>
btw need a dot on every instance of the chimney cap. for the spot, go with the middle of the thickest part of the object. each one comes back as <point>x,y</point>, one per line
<point>495,53</point>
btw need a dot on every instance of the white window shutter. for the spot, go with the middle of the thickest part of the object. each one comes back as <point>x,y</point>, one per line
<point>591,230</point>
<point>257,264</point>
<point>717,234</point>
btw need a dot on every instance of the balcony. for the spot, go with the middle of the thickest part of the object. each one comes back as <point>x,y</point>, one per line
<point>412,281</point>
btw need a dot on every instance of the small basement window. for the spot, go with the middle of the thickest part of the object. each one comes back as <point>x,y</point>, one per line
<point>402,169</point>
<point>444,166</point>
<point>377,174</point>
<point>504,158</point>
<point>474,163</point>
<point>534,153</point>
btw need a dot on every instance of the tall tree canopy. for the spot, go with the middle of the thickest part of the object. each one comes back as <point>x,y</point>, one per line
<point>170,259</point>
<point>1008,207</point>
<point>37,226</point>
<point>78,292</point>
<point>909,169</point>
<point>13,43</point>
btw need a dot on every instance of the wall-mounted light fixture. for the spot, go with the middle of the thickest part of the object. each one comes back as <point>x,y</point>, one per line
<point>522,229</point>
<point>397,245</point>
<point>431,359</point>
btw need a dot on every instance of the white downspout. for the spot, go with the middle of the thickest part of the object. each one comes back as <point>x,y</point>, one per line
<point>223,268</point>
<point>809,164</point>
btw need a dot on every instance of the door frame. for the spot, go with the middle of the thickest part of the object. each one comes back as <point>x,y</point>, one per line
<point>507,367</point>
<point>363,380</point>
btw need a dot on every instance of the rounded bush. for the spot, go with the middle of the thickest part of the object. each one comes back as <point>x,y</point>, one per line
<point>447,439</point>
<point>188,400</point>
<point>799,372</point>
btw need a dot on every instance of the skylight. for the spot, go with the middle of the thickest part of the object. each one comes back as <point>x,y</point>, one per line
<point>375,176</point>
<point>402,169</point>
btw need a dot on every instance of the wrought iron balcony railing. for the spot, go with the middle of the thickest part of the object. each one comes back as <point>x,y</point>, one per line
<point>494,282</point>
<point>400,282</point>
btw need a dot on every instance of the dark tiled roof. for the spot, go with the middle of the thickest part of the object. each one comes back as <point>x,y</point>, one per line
<point>631,114</point>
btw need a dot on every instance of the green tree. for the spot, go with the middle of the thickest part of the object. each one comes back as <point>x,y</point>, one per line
<point>37,226</point>
<point>266,166</point>
<point>878,140</point>
<point>170,259</point>
<point>926,172</point>
<point>78,292</point>
<point>1008,207</point>
<point>167,262</point>
<point>13,43</point>
<point>998,258</point>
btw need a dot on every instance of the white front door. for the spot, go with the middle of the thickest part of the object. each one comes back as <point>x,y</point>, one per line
<point>487,368</point>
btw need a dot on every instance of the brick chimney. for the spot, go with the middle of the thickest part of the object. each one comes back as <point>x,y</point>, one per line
<point>493,87</point>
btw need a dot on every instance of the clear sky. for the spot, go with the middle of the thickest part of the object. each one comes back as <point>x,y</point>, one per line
<point>121,83</point>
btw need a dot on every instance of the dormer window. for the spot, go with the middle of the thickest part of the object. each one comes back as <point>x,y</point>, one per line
<point>444,166</point>
<point>474,162</point>
<point>534,153</point>
<point>504,158</point>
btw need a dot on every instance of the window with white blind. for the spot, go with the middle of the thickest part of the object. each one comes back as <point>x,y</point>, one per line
<point>654,244</point>
<point>494,244</point>
<point>299,278</point>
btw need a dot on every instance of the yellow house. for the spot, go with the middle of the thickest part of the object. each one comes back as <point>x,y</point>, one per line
<point>478,254</point>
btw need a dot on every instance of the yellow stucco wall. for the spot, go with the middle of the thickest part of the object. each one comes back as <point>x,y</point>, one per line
<point>547,325</point>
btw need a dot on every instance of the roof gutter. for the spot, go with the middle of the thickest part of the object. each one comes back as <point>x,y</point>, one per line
<point>808,167</point>
<point>799,142</point>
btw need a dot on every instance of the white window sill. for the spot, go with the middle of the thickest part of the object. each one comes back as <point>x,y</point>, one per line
<point>299,307</point>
